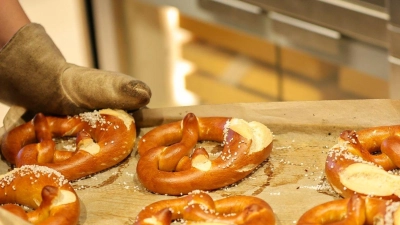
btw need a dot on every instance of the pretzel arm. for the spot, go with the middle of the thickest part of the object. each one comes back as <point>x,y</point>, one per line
<point>391,148</point>
<point>171,155</point>
<point>243,210</point>
<point>176,206</point>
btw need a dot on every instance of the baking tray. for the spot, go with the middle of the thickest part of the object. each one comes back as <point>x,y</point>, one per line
<point>291,180</point>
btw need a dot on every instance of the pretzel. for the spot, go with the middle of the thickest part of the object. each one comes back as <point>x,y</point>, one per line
<point>365,162</point>
<point>45,191</point>
<point>355,210</point>
<point>169,164</point>
<point>199,207</point>
<point>103,139</point>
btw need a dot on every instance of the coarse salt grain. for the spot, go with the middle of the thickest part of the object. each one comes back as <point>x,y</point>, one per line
<point>92,118</point>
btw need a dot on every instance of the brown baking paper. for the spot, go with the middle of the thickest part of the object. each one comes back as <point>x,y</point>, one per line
<point>291,181</point>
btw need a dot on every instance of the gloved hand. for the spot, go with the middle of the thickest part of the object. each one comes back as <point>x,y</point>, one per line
<point>35,75</point>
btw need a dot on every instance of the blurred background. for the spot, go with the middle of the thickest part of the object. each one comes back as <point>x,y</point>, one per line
<point>224,51</point>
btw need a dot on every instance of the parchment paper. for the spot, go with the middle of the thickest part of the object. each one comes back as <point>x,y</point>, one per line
<point>291,181</point>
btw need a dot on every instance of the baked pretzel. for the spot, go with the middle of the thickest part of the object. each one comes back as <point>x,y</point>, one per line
<point>355,210</point>
<point>199,207</point>
<point>170,164</point>
<point>103,139</point>
<point>48,195</point>
<point>365,162</point>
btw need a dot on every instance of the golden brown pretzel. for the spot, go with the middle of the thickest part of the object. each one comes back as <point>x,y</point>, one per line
<point>103,139</point>
<point>363,162</point>
<point>167,165</point>
<point>45,191</point>
<point>198,207</point>
<point>355,210</point>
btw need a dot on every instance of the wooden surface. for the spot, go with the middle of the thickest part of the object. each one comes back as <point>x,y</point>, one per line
<point>290,181</point>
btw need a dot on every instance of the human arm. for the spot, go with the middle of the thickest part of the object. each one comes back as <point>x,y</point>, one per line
<point>12,18</point>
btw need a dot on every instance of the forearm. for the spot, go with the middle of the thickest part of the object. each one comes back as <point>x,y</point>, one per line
<point>12,18</point>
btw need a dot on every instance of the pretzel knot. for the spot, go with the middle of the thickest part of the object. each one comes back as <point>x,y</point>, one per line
<point>355,210</point>
<point>365,162</point>
<point>200,207</point>
<point>170,162</point>
<point>50,197</point>
<point>103,139</point>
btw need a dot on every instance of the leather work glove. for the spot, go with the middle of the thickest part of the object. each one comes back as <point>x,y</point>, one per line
<point>35,75</point>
